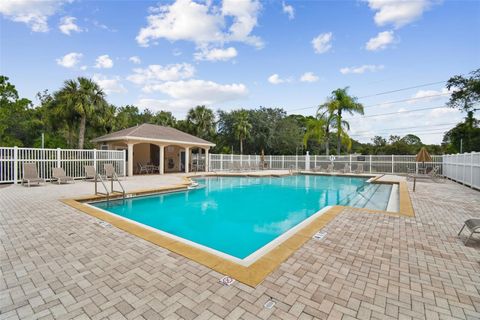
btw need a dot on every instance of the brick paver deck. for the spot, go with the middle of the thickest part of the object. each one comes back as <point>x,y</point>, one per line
<point>58,263</point>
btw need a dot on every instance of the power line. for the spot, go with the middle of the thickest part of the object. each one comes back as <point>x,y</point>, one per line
<point>412,127</point>
<point>384,103</point>
<point>402,89</point>
<point>400,112</point>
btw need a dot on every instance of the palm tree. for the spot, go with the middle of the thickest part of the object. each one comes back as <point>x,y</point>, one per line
<point>201,120</point>
<point>82,98</point>
<point>319,128</point>
<point>241,126</point>
<point>339,103</point>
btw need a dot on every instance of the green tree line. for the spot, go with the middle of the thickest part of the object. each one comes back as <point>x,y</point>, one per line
<point>79,111</point>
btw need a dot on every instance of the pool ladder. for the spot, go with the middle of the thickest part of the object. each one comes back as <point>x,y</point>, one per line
<point>112,176</point>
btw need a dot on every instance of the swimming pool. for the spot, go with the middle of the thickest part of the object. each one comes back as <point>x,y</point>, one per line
<point>241,217</point>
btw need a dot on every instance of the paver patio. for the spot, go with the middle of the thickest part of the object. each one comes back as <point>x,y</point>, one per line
<point>59,263</point>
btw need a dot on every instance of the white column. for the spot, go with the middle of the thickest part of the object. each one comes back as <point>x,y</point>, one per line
<point>161,162</point>
<point>187,158</point>
<point>207,160</point>
<point>130,159</point>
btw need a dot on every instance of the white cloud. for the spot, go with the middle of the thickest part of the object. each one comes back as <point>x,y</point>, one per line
<point>322,43</point>
<point>185,94</point>
<point>430,95</point>
<point>135,60</point>
<point>289,10</point>
<point>202,90</point>
<point>156,73</point>
<point>398,12</point>
<point>309,77</point>
<point>275,79</point>
<point>109,85</point>
<point>103,62</point>
<point>216,54</point>
<point>33,13</point>
<point>202,23</point>
<point>68,25</point>
<point>381,41</point>
<point>361,69</point>
<point>70,60</point>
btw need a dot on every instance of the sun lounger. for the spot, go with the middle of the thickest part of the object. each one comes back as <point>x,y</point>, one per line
<point>359,168</point>
<point>473,225</point>
<point>90,172</point>
<point>142,168</point>
<point>30,174</point>
<point>330,168</point>
<point>318,169</point>
<point>346,169</point>
<point>60,175</point>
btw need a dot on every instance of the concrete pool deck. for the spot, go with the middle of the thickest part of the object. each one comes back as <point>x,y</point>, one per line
<point>59,263</point>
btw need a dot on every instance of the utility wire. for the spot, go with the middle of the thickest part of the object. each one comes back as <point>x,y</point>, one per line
<point>412,127</point>
<point>384,103</point>
<point>402,89</point>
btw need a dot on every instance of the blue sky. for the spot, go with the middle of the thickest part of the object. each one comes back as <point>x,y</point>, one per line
<point>244,53</point>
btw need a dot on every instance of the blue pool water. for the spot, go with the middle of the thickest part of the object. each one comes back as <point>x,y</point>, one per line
<point>239,215</point>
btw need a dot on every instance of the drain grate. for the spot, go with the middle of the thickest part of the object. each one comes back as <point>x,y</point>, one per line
<point>269,304</point>
<point>227,281</point>
<point>104,224</point>
<point>319,235</point>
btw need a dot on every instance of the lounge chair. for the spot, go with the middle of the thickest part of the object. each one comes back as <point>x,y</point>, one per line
<point>346,169</point>
<point>473,225</point>
<point>109,170</point>
<point>60,175</point>
<point>90,172</point>
<point>142,168</point>
<point>359,168</point>
<point>30,174</point>
<point>318,169</point>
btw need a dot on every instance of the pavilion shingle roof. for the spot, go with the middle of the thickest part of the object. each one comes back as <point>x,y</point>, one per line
<point>154,132</point>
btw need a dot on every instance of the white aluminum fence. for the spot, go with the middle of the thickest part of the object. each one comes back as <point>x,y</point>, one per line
<point>463,168</point>
<point>71,160</point>
<point>371,164</point>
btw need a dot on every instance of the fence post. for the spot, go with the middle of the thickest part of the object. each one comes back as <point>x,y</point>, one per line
<point>283,162</point>
<point>307,161</point>
<point>393,162</point>
<point>59,154</point>
<point>471,169</point>
<point>221,161</point>
<point>296,162</point>
<point>370,163</point>
<point>350,163</point>
<point>95,158</point>
<point>15,165</point>
<point>416,167</point>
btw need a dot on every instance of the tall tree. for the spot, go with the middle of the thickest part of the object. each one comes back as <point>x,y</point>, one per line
<point>164,118</point>
<point>201,122</point>
<point>466,91</point>
<point>241,126</point>
<point>85,98</point>
<point>340,103</point>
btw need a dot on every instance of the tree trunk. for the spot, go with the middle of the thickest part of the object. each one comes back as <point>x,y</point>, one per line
<point>327,143</point>
<point>81,132</point>
<point>339,131</point>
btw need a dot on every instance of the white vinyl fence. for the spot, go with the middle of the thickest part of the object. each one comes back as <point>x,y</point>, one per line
<point>71,160</point>
<point>463,168</point>
<point>371,164</point>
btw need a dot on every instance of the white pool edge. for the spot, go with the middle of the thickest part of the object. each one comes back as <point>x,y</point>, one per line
<point>247,261</point>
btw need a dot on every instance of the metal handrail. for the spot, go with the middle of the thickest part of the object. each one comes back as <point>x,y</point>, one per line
<point>104,186</point>
<point>115,177</point>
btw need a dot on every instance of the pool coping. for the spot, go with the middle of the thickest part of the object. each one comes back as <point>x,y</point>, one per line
<point>256,272</point>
